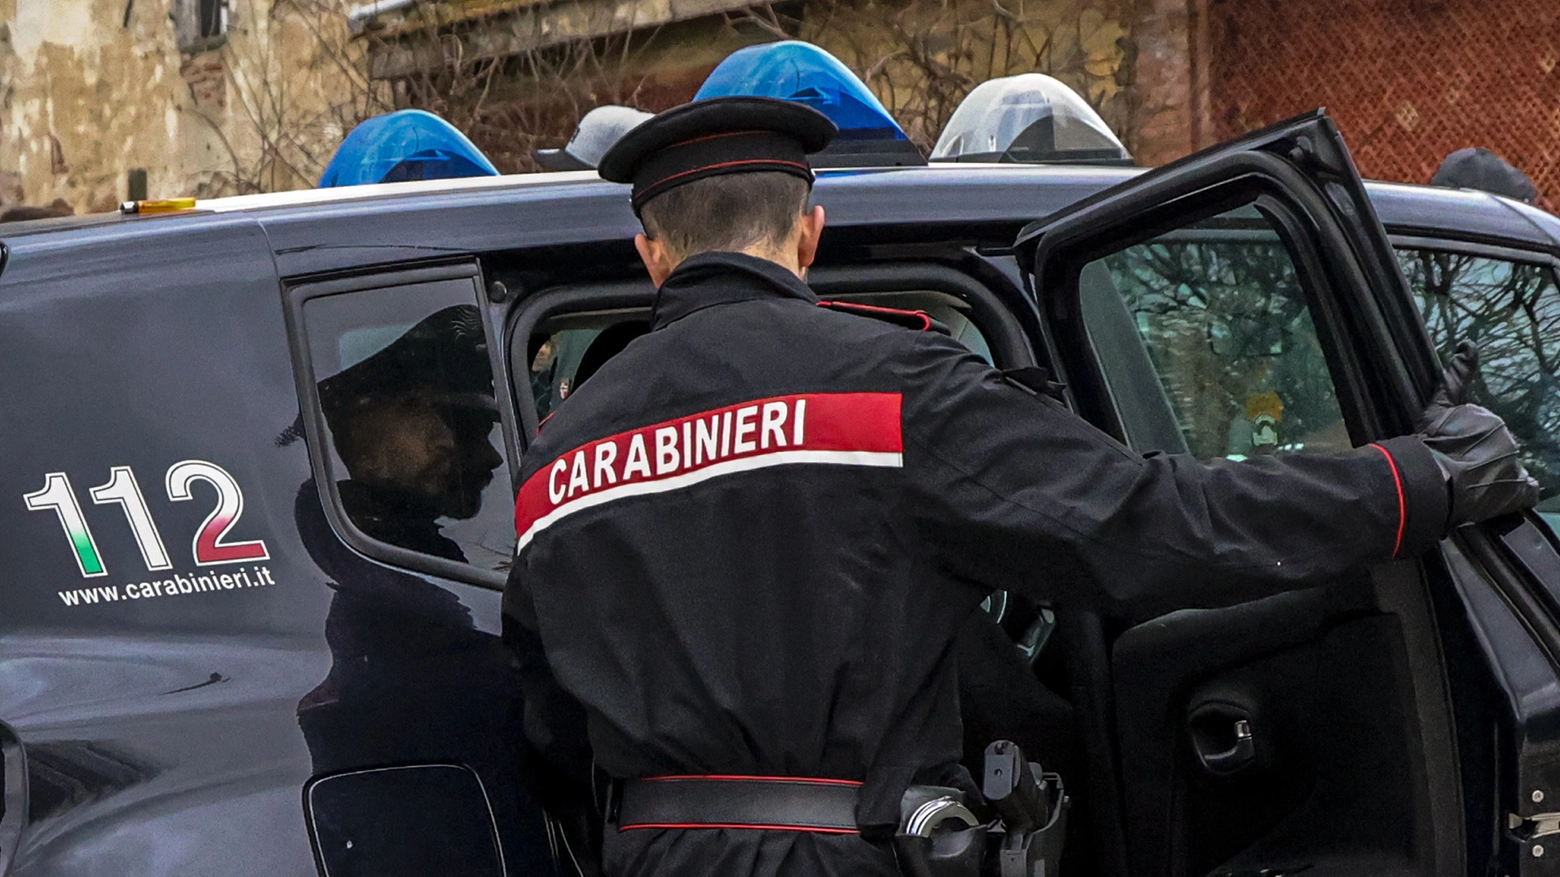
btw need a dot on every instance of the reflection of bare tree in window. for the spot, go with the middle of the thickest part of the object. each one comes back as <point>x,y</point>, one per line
<point>1225,322</point>
<point>1512,311</point>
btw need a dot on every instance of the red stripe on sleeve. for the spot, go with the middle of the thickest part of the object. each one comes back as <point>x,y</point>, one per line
<point>1397,478</point>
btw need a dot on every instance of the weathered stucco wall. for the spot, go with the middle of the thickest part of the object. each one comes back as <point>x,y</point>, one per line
<point>88,92</point>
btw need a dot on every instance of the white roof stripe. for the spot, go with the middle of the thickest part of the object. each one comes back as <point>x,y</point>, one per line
<point>305,197</point>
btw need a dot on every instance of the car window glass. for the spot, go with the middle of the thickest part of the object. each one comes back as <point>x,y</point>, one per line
<point>1216,316</point>
<point>566,350</point>
<point>406,389</point>
<point>1512,311</point>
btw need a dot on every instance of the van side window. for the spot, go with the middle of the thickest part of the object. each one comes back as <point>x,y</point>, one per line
<point>1205,340</point>
<point>1512,311</point>
<point>405,390</point>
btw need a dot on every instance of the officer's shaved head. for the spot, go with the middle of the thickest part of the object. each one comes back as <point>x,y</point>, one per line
<point>729,213</point>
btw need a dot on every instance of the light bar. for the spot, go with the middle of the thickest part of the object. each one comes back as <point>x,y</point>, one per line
<point>802,72</point>
<point>1030,118</point>
<point>404,145</point>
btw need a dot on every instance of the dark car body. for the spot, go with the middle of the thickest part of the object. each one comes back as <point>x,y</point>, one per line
<point>209,664</point>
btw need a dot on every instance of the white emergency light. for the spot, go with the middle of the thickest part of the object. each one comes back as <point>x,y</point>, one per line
<point>1029,118</point>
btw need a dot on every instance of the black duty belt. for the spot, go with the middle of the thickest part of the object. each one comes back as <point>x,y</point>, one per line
<point>764,803</point>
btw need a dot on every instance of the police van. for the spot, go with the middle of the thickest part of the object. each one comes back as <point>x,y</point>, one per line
<point>257,496</point>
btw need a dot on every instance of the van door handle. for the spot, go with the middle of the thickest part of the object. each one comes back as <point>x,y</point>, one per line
<point>1223,737</point>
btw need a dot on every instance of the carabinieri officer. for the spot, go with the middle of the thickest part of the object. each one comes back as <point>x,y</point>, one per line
<point>745,545</point>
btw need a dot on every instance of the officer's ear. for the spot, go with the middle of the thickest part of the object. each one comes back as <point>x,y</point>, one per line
<point>657,257</point>
<point>811,232</point>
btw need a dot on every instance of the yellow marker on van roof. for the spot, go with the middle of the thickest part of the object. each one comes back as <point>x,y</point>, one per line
<point>164,205</point>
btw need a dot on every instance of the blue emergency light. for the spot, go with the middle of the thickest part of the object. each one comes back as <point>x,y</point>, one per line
<point>802,72</point>
<point>404,145</point>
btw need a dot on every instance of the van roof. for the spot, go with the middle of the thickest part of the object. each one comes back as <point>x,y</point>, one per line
<point>939,192</point>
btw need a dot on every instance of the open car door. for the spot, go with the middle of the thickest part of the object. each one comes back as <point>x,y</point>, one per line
<point>1241,302</point>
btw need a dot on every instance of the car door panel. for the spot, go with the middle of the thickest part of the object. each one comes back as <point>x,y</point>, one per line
<point>145,713</point>
<point>1309,730</point>
<point>1329,780</point>
<point>1518,744</point>
<point>1533,550</point>
<point>166,703</point>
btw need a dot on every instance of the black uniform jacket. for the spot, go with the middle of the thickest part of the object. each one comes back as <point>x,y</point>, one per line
<point>747,542</point>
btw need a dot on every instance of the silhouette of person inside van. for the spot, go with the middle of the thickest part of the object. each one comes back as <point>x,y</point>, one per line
<point>411,424</point>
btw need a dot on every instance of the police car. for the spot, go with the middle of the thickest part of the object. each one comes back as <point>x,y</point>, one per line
<point>256,500</point>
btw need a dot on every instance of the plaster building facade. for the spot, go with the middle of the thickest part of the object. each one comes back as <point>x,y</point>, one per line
<point>203,96</point>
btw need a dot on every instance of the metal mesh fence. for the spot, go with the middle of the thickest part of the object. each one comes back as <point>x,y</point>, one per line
<point>1408,81</point>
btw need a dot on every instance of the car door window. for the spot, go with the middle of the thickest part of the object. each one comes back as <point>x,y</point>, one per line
<point>1215,317</point>
<point>1511,309</point>
<point>411,441</point>
<point>571,351</point>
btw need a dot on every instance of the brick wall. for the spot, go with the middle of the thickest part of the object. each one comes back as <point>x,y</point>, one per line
<point>1407,80</point>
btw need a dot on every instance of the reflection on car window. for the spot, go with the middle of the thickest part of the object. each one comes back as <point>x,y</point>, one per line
<point>568,349</point>
<point>1217,314</point>
<point>406,388</point>
<point>1512,311</point>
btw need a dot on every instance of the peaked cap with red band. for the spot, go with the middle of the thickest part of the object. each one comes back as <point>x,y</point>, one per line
<point>714,136</point>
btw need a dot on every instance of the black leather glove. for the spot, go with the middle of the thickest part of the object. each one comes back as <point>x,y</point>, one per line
<point>1473,448</point>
